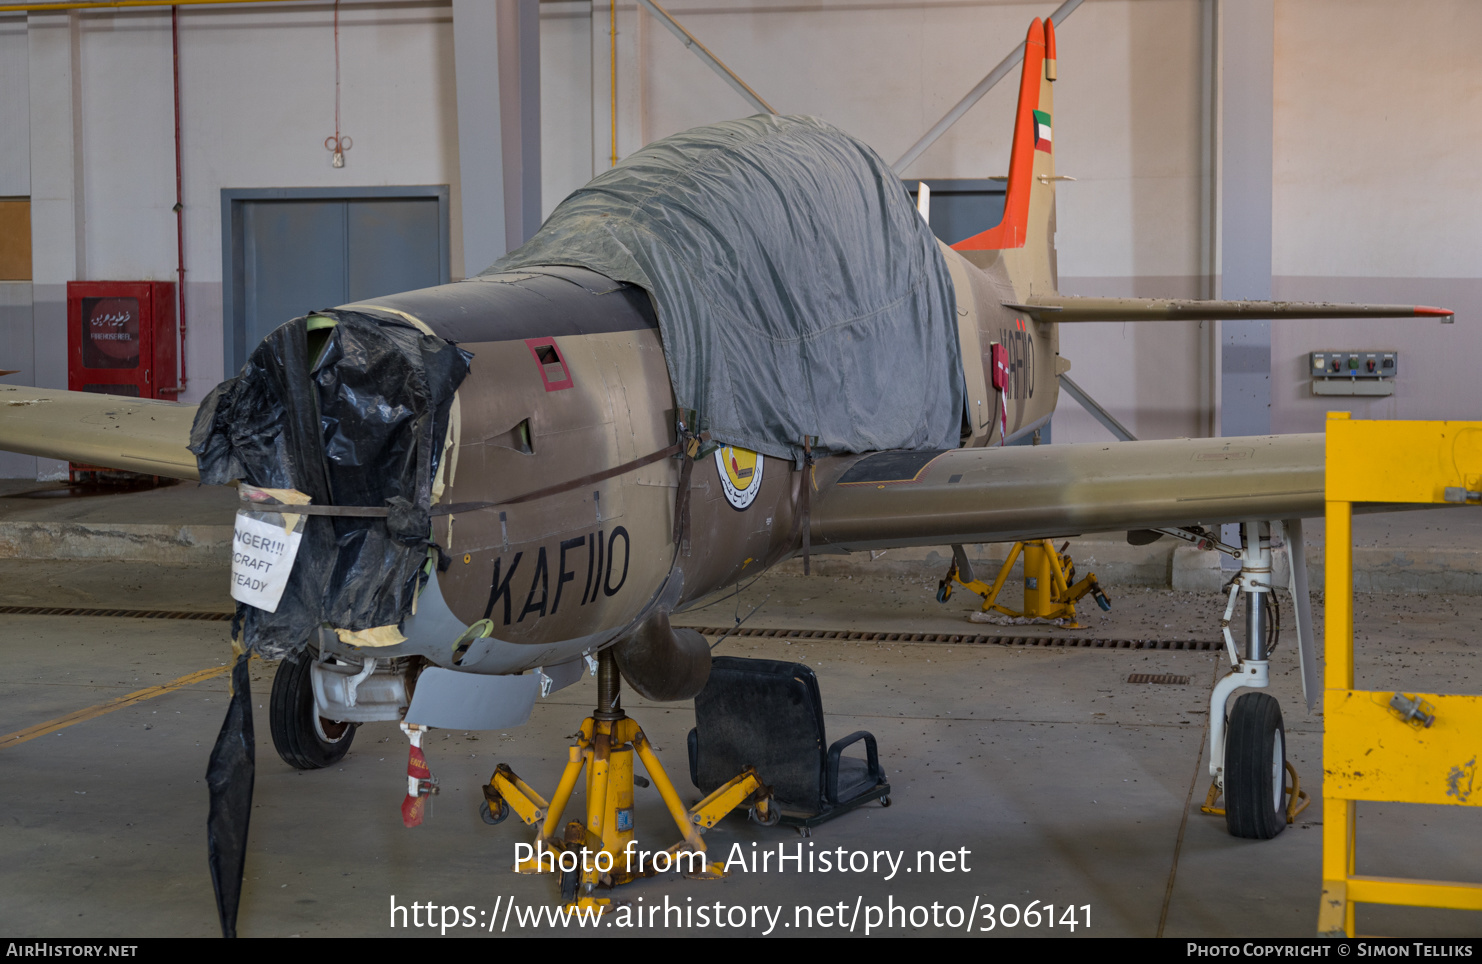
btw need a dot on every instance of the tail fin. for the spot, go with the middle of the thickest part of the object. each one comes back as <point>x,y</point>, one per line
<point>1029,209</point>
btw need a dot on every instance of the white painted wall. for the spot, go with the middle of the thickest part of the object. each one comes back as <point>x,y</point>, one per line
<point>15,110</point>
<point>1128,116</point>
<point>1378,197</point>
<point>1127,127</point>
<point>1376,113</point>
<point>127,146</point>
<point>566,123</point>
<point>17,352</point>
<point>1378,117</point>
<point>257,104</point>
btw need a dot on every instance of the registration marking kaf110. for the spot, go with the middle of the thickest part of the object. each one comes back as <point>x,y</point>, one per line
<point>740,474</point>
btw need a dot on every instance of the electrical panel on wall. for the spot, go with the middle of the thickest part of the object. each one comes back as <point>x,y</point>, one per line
<point>1353,372</point>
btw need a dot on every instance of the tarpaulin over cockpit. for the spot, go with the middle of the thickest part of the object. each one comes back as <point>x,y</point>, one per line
<point>798,291</point>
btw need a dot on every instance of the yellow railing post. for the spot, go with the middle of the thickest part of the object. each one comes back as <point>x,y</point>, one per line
<point>1370,750</point>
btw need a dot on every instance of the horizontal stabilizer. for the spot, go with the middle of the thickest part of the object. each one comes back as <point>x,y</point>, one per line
<point>134,434</point>
<point>1067,309</point>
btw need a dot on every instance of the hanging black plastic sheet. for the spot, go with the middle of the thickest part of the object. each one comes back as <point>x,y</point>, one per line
<point>229,777</point>
<point>798,291</point>
<point>362,424</point>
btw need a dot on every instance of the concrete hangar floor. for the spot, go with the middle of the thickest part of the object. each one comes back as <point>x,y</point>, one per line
<point>1047,774</point>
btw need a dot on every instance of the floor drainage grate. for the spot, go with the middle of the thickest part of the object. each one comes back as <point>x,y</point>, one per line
<point>968,639</point>
<point>116,613</point>
<point>1158,678</point>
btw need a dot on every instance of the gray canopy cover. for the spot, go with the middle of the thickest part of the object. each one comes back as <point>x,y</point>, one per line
<point>798,291</point>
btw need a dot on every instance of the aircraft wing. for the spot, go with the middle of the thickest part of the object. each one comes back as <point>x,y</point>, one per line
<point>1068,309</point>
<point>136,434</point>
<point>891,499</point>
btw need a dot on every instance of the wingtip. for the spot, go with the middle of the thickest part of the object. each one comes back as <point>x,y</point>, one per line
<point>1433,312</point>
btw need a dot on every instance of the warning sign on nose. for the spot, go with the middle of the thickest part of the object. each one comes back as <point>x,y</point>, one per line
<point>262,558</point>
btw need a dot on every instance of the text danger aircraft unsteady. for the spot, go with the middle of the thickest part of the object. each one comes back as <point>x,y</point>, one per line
<point>577,504</point>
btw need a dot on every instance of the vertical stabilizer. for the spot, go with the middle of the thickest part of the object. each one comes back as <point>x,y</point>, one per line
<point>1025,237</point>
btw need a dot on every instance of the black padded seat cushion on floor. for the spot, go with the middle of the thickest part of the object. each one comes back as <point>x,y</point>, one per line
<point>768,714</point>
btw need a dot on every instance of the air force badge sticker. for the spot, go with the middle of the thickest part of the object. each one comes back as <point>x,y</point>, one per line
<point>740,474</point>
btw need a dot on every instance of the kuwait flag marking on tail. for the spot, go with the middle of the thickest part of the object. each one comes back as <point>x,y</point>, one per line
<point>1041,131</point>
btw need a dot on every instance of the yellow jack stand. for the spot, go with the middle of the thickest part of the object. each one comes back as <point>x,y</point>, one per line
<point>1048,593</point>
<point>600,853</point>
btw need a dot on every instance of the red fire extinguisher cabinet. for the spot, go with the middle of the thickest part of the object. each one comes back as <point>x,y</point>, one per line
<point>121,338</point>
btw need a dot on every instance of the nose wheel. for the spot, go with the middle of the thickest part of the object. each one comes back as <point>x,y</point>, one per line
<point>304,739</point>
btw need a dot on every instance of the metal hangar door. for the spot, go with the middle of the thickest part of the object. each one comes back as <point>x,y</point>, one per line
<point>287,252</point>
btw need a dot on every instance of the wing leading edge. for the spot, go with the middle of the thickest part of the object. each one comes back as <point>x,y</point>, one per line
<point>136,434</point>
<point>892,499</point>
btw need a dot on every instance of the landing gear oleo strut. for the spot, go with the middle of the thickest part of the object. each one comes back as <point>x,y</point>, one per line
<point>598,855</point>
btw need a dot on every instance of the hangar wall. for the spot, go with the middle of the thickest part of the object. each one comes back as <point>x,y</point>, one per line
<point>1378,197</point>
<point>258,90</point>
<point>1368,95</point>
<point>1361,91</point>
<point>16,350</point>
<point>1128,125</point>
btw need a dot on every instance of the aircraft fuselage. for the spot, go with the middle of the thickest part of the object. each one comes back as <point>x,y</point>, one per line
<point>569,379</point>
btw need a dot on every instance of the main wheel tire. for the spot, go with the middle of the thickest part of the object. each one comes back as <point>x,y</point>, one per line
<point>1255,768</point>
<point>302,738</point>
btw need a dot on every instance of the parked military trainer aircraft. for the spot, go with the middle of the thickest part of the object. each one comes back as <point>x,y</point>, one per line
<point>576,504</point>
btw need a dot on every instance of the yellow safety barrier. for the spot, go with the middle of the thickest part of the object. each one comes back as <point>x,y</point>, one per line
<point>1387,746</point>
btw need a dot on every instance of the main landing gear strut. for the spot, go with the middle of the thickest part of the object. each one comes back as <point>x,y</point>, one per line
<point>600,854</point>
<point>1247,753</point>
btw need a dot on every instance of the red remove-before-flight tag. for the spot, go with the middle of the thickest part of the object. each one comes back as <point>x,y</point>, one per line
<point>415,804</point>
<point>412,809</point>
<point>417,765</point>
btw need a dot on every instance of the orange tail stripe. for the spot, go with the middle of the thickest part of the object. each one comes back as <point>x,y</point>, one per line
<point>1010,232</point>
